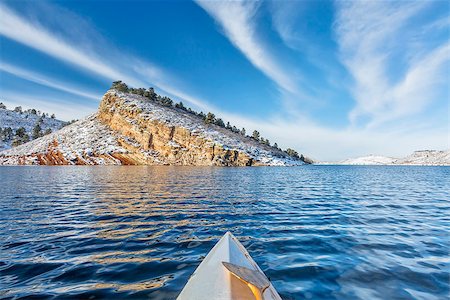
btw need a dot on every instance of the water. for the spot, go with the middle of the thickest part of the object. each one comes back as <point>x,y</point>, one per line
<point>318,232</point>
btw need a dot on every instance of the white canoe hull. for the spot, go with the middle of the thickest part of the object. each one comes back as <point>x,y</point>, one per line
<point>212,281</point>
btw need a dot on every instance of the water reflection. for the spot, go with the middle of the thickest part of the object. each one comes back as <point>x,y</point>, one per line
<point>139,232</point>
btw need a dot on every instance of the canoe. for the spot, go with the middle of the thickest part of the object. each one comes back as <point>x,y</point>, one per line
<point>228,273</point>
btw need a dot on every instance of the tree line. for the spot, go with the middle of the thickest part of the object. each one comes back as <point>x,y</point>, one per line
<point>208,118</point>
<point>20,135</point>
<point>31,111</point>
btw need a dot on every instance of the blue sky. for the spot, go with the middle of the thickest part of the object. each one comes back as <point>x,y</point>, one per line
<point>333,79</point>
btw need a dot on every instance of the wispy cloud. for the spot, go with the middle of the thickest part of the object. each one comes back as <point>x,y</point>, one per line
<point>375,41</point>
<point>21,30</point>
<point>332,144</point>
<point>49,82</point>
<point>84,55</point>
<point>236,20</point>
<point>285,14</point>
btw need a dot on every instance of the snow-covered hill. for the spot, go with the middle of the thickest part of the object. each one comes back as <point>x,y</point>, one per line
<point>11,121</point>
<point>369,160</point>
<point>426,157</point>
<point>420,158</point>
<point>73,144</point>
<point>131,129</point>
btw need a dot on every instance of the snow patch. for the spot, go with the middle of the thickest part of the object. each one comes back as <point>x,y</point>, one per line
<point>15,120</point>
<point>216,135</point>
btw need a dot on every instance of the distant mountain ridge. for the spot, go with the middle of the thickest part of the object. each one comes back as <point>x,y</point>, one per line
<point>19,126</point>
<point>131,128</point>
<point>421,158</point>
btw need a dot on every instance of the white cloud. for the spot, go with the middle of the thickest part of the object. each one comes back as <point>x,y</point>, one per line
<point>49,82</point>
<point>17,28</point>
<point>305,135</point>
<point>102,61</point>
<point>332,144</point>
<point>375,42</point>
<point>285,14</point>
<point>236,20</point>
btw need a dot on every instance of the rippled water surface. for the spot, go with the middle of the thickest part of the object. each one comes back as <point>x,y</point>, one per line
<point>318,232</point>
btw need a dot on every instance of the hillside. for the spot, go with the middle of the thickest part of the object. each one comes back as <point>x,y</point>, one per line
<point>17,126</point>
<point>133,129</point>
<point>369,160</point>
<point>420,158</point>
<point>426,157</point>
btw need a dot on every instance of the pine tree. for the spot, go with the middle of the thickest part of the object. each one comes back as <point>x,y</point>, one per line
<point>180,106</point>
<point>275,145</point>
<point>53,116</point>
<point>165,101</point>
<point>141,91</point>
<point>243,131</point>
<point>255,135</point>
<point>2,106</point>
<point>16,142</point>
<point>37,131</point>
<point>18,109</point>
<point>150,94</point>
<point>20,138</point>
<point>292,153</point>
<point>210,118</point>
<point>7,134</point>
<point>219,122</point>
<point>20,132</point>
<point>120,86</point>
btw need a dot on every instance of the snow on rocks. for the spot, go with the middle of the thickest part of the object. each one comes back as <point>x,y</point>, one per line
<point>93,141</point>
<point>216,135</point>
<point>76,141</point>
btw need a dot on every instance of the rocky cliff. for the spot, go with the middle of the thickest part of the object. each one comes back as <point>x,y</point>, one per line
<point>130,129</point>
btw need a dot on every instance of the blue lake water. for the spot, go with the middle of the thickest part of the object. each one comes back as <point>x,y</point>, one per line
<point>318,232</point>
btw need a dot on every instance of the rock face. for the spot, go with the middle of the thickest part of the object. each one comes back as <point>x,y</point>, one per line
<point>130,129</point>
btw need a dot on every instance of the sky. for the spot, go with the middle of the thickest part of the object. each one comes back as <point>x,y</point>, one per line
<point>331,79</point>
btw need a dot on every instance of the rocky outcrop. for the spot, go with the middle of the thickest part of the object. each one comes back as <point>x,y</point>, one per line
<point>130,129</point>
<point>174,144</point>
